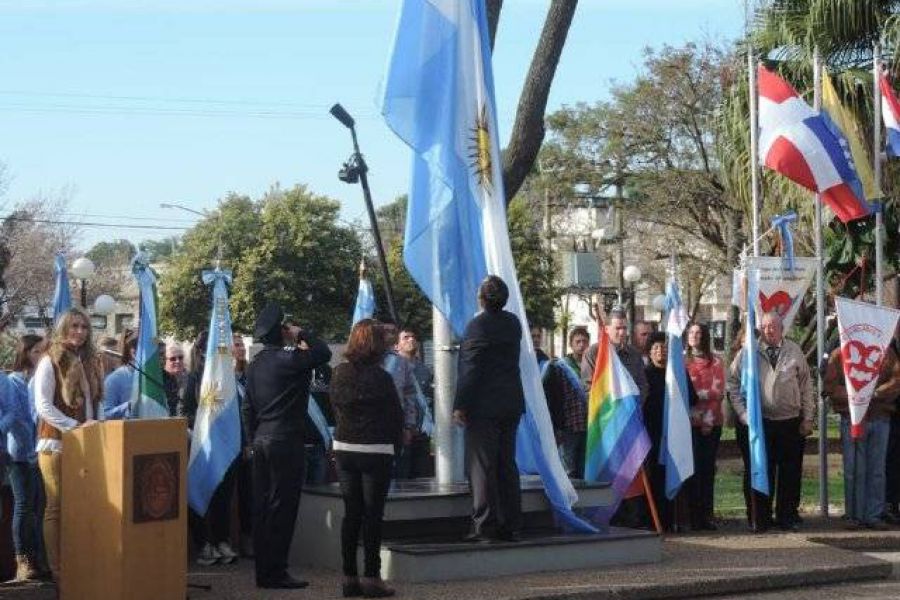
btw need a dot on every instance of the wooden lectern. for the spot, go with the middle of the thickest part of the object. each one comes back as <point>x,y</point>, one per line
<point>124,511</point>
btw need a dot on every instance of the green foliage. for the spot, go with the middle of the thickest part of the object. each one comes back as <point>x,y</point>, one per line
<point>111,253</point>
<point>161,250</point>
<point>184,300</point>
<point>286,248</point>
<point>413,307</point>
<point>534,265</point>
<point>302,259</point>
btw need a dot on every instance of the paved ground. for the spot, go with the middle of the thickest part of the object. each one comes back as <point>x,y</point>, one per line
<point>731,562</point>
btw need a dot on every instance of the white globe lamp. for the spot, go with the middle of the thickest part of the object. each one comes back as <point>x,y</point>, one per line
<point>104,304</point>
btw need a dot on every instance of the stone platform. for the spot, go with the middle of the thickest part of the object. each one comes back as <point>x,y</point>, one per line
<point>424,523</point>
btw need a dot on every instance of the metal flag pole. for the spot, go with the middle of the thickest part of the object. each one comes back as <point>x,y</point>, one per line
<point>448,437</point>
<point>876,164</point>
<point>754,147</point>
<point>820,316</point>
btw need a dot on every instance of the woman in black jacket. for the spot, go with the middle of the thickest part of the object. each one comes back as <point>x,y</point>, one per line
<point>369,427</point>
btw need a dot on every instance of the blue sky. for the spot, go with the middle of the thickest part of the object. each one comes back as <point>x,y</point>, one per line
<point>126,104</point>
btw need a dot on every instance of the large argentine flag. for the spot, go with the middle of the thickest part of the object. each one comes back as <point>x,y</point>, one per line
<point>439,99</point>
<point>216,438</point>
<point>797,142</point>
<point>676,451</point>
<point>890,114</point>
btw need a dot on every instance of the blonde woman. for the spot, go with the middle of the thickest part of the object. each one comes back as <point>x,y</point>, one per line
<point>68,388</point>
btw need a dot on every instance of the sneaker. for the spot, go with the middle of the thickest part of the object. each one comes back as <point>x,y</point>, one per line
<point>208,556</point>
<point>226,553</point>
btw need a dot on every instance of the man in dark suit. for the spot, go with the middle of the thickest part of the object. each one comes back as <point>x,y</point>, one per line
<point>274,414</point>
<point>489,403</point>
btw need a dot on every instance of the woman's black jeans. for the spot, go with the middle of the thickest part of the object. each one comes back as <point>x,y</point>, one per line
<point>365,478</point>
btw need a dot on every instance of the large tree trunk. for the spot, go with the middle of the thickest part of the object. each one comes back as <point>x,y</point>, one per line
<point>528,130</point>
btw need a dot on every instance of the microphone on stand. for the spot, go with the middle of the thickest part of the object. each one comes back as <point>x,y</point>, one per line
<point>131,364</point>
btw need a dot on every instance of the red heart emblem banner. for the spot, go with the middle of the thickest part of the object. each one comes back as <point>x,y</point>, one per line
<point>865,331</point>
<point>779,302</point>
<point>861,363</point>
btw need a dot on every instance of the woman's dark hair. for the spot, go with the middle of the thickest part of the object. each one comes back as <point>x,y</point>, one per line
<point>366,344</point>
<point>657,337</point>
<point>23,350</point>
<point>493,293</point>
<point>705,341</point>
<point>198,351</point>
<point>128,345</point>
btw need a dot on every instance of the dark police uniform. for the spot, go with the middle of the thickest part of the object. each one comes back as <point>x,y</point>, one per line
<point>278,381</point>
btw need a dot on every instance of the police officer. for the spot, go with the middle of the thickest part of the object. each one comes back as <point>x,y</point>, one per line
<point>274,415</point>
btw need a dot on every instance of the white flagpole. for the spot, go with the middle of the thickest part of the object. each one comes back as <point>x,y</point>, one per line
<point>448,437</point>
<point>820,315</point>
<point>876,159</point>
<point>754,147</point>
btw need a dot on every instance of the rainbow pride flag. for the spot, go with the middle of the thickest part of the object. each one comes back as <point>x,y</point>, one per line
<point>617,442</point>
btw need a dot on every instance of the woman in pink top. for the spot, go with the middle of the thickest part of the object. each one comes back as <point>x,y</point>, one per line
<point>707,373</point>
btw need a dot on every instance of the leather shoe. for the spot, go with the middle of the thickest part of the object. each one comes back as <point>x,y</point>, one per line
<point>282,583</point>
<point>508,536</point>
<point>375,589</point>
<point>351,589</point>
<point>476,538</point>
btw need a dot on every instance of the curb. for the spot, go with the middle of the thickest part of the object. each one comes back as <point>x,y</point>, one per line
<point>879,569</point>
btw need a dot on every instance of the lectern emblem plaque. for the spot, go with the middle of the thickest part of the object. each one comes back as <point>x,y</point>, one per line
<point>156,484</point>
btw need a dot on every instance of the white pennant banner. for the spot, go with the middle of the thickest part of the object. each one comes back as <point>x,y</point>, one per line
<point>865,330</point>
<point>781,290</point>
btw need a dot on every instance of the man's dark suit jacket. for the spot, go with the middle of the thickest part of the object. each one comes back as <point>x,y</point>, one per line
<point>489,385</point>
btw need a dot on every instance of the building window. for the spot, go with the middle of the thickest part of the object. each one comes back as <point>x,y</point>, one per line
<point>33,323</point>
<point>124,322</point>
<point>98,322</point>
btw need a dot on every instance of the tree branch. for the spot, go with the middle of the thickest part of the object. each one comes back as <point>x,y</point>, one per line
<point>528,130</point>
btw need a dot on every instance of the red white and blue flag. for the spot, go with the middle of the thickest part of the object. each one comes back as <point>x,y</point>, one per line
<point>802,145</point>
<point>890,114</point>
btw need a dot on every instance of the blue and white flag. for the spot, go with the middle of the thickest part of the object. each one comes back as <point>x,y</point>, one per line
<point>676,450</point>
<point>149,399</point>
<point>62,296</point>
<point>216,438</point>
<point>439,99</point>
<point>759,470</point>
<point>365,300</point>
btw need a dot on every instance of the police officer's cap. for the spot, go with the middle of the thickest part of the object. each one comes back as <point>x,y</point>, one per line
<point>270,318</point>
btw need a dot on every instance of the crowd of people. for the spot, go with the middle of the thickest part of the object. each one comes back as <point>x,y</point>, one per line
<point>373,427</point>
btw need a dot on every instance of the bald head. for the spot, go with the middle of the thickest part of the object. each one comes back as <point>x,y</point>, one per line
<point>772,328</point>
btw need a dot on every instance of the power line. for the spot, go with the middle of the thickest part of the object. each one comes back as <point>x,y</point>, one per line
<point>296,105</point>
<point>94,224</point>
<point>125,217</point>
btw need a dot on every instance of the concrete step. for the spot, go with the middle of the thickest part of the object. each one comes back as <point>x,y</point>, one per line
<point>419,560</point>
<point>424,523</point>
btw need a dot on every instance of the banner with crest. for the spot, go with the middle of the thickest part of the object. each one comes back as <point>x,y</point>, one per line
<point>865,330</point>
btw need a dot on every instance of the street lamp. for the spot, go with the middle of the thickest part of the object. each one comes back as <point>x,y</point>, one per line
<point>83,268</point>
<point>182,207</point>
<point>659,304</point>
<point>104,304</point>
<point>201,213</point>
<point>631,274</point>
